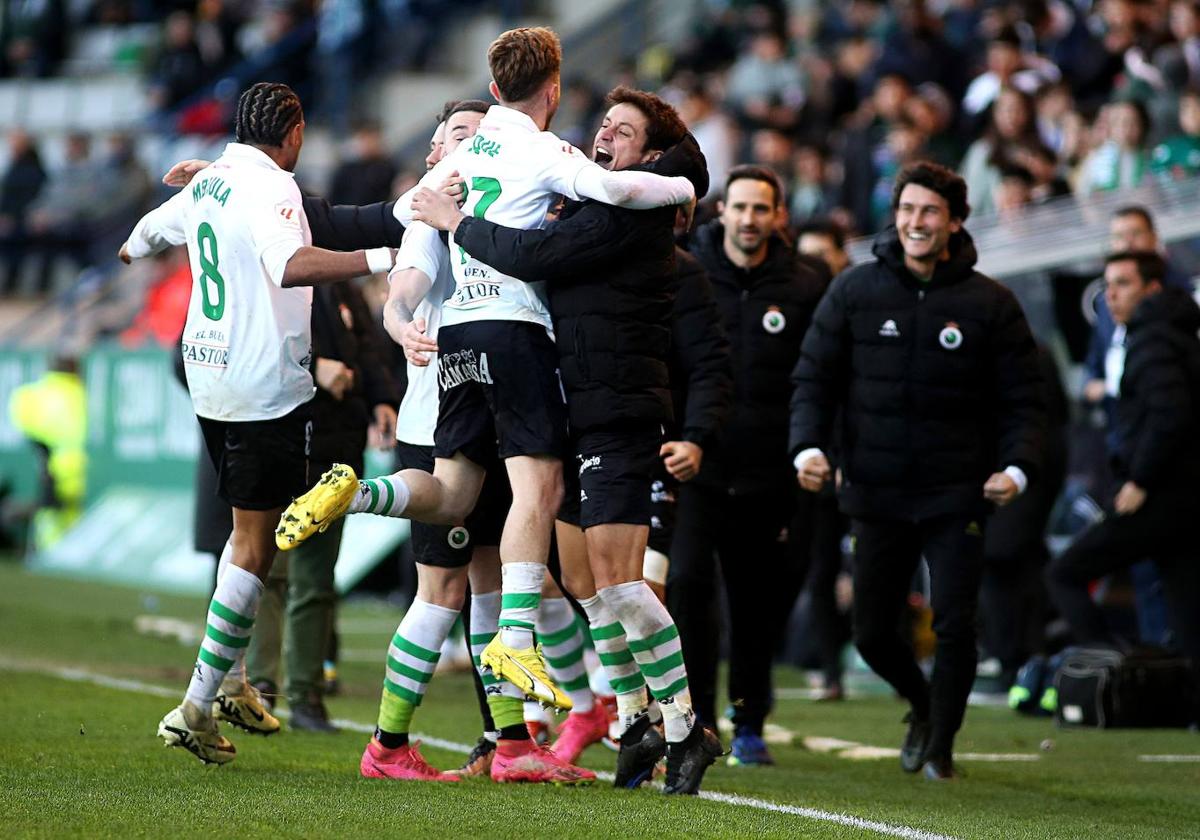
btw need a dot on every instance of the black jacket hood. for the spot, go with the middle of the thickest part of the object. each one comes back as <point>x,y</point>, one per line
<point>686,159</point>
<point>959,266</point>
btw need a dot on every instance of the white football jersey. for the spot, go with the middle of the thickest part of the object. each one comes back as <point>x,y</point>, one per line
<point>247,345</point>
<point>513,173</point>
<point>422,248</point>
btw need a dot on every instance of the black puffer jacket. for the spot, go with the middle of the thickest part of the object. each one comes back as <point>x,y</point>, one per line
<point>1158,411</point>
<point>701,377</point>
<point>609,276</point>
<point>939,384</point>
<point>766,311</point>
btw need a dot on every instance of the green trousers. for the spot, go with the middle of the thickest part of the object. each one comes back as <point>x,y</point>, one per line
<point>296,616</point>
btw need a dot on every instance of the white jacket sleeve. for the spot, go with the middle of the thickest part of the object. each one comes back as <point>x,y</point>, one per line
<point>631,189</point>
<point>159,229</point>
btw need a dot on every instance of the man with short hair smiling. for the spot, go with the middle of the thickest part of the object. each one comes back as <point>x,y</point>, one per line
<point>1156,456</point>
<point>738,507</point>
<point>933,370</point>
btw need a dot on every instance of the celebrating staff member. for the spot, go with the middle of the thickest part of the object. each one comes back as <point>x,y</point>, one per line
<point>935,372</point>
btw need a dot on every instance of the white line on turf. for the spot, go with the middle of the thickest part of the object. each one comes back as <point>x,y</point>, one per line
<point>1170,759</point>
<point>887,829</point>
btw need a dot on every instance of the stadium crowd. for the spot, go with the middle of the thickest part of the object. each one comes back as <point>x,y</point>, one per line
<point>813,118</point>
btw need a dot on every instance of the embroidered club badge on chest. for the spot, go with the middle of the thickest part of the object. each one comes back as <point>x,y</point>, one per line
<point>773,320</point>
<point>951,336</point>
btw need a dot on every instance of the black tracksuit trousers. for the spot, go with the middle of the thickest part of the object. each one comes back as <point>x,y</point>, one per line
<point>762,579</point>
<point>886,556</point>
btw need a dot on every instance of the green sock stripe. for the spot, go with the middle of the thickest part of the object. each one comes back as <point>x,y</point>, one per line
<point>409,671</point>
<point>608,631</point>
<point>488,679</point>
<point>371,485</point>
<point>558,636</point>
<point>520,601</point>
<point>223,638</point>
<point>577,684</point>
<point>506,711</point>
<point>236,619</point>
<point>513,622</point>
<point>617,657</point>
<point>662,666</point>
<point>566,660</point>
<point>661,637</point>
<point>481,638</point>
<point>671,690</point>
<point>391,496</point>
<point>403,693</point>
<point>626,685</point>
<point>419,652</point>
<point>218,662</point>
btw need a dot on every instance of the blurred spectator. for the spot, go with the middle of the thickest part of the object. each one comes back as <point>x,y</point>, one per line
<point>1011,127</point>
<point>713,130</point>
<point>33,37</point>
<point>1178,156</point>
<point>180,70</point>
<point>812,191</point>
<point>1013,192</point>
<point>1054,103</point>
<point>868,130</point>
<point>342,32</point>
<point>579,112</point>
<point>765,87</point>
<point>1183,51</point>
<point>825,240</point>
<point>55,217</point>
<point>19,186</point>
<point>1007,66</point>
<point>216,33</point>
<point>916,48</point>
<point>931,111</point>
<point>772,148</point>
<point>365,176</point>
<point>1122,160</point>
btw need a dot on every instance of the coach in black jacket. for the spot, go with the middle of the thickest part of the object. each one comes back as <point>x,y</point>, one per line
<point>739,506</point>
<point>1157,457</point>
<point>935,371</point>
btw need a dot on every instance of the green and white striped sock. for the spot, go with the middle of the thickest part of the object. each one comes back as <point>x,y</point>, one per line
<point>654,643</point>
<point>520,597</point>
<point>412,657</point>
<point>230,620</point>
<point>387,496</point>
<point>562,643</point>
<point>623,673</point>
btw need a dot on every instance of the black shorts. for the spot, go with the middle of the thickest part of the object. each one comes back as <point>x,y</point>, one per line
<point>610,478</point>
<point>499,392</point>
<point>449,547</point>
<point>261,464</point>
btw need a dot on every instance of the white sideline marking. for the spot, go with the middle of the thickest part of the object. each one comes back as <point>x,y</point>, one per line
<point>855,751</point>
<point>887,829</point>
<point>1170,759</point>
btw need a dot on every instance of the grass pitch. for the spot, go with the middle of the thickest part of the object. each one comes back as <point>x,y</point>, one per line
<point>78,759</point>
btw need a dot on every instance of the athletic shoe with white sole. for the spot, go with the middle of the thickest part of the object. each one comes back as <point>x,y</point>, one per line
<point>204,741</point>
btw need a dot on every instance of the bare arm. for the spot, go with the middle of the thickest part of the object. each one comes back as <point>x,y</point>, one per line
<point>311,266</point>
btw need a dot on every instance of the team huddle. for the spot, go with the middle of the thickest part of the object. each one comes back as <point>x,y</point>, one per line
<point>511,436</point>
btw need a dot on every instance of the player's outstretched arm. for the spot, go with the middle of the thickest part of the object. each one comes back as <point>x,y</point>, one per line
<point>635,190</point>
<point>310,266</point>
<point>158,230</point>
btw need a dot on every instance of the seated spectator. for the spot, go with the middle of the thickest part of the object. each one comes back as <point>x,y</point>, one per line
<point>812,191</point>
<point>825,240</point>
<point>1013,192</point>
<point>1011,127</point>
<point>55,217</point>
<point>1007,66</point>
<point>19,186</point>
<point>1122,160</point>
<point>33,37</point>
<point>765,87</point>
<point>365,175</point>
<point>714,132</point>
<point>1178,156</point>
<point>179,70</point>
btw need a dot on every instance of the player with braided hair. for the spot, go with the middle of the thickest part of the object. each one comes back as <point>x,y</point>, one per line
<point>247,349</point>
